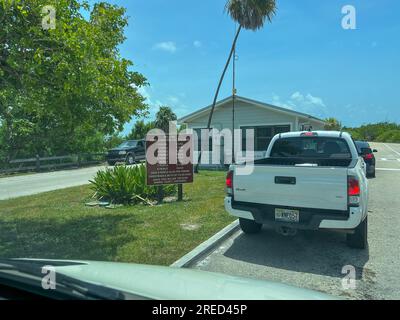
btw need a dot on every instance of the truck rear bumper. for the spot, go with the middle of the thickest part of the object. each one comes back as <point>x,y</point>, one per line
<point>310,219</point>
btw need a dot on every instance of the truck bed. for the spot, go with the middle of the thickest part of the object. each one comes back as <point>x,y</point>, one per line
<point>291,183</point>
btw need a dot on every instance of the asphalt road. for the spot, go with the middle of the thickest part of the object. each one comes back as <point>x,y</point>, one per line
<point>23,185</point>
<point>315,259</point>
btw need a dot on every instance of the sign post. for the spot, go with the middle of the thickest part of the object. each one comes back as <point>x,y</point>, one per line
<point>177,169</point>
<point>160,194</point>
<point>180,192</point>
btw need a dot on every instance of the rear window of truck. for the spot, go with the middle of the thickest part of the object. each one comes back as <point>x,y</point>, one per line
<point>311,147</point>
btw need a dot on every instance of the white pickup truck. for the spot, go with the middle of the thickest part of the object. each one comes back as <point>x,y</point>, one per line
<point>308,180</point>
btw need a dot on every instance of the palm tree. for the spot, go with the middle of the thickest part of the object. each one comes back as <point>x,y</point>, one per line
<point>140,129</point>
<point>163,117</point>
<point>332,124</point>
<point>250,15</point>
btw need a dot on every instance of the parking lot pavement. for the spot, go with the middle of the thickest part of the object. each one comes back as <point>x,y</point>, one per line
<point>388,156</point>
<point>23,185</point>
<point>315,259</point>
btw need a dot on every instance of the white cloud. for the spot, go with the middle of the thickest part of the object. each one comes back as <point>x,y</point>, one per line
<point>144,92</point>
<point>306,103</point>
<point>167,46</point>
<point>297,96</point>
<point>173,101</point>
<point>154,105</point>
<point>314,101</point>
<point>276,100</point>
<point>197,44</point>
<point>177,105</point>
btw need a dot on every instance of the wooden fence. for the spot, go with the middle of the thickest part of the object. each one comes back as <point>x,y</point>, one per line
<point>50,163</point>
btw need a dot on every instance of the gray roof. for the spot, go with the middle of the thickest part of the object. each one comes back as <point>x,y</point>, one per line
<point>250,101</point>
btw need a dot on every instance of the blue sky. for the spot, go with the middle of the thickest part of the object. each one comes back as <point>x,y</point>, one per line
<point>304,60</point>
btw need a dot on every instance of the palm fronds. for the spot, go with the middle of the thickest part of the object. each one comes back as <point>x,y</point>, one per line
<point>251,14</point>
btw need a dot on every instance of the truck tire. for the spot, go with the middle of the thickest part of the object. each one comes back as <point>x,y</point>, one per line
<point>359,239</point>
<point>130,159</point>
<point>249,226</point>
<point>371,174</point>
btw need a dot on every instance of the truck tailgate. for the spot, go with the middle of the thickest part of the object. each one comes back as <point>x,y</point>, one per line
<point>293,186</point>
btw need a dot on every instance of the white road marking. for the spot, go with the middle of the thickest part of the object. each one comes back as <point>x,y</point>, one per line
<point>389,147</point>
<point>383,159</point>
<point>387,169</point>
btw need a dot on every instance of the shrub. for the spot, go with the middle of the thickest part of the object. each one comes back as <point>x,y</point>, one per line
<point>126,185</point>
<point>389,136</point>
<point>379,132</point>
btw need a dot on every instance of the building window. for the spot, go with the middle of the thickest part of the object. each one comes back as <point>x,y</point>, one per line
<point>306,127</point>
<point>263,135</point>
<point>199,141</point>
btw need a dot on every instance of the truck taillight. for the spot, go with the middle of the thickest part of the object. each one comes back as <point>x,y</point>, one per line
<point>353,191</point>
<point>368,156</point>
<point>309,134</point>
<point>229,182</point>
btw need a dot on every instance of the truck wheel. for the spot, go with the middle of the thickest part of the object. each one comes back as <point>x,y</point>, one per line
<point>359,239</point>
<point>130,159</point>
<point>249,226</point>
<point>372,173</point>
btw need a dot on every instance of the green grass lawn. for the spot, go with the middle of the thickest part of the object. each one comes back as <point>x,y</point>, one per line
<point>57,225</point>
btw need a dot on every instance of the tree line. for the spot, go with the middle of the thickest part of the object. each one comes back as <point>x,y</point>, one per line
<point>142,127</point>
<point>374,132</point>
<point>64,90</point>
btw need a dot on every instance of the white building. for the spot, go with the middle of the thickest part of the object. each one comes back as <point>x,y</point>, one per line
<point>266,120</point>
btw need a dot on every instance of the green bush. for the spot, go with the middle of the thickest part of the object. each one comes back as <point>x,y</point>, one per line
<point>389,136</point>
<point>126,185</point>
<point>379,132</point>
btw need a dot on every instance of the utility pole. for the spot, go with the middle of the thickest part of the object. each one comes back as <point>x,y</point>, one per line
<point>233,99</point>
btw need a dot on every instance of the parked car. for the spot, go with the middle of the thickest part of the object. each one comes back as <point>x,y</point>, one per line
<point>129,152</point>
<point>367,153</point>
<point>308,180</point>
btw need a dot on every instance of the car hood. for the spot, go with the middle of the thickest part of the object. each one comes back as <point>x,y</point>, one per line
<point>158,282</point>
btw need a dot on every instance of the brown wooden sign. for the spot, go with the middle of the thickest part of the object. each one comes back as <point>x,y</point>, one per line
<point>167,170</point>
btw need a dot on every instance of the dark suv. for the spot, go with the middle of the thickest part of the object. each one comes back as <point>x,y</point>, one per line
<point>129,152</point>
<point>367,153</point>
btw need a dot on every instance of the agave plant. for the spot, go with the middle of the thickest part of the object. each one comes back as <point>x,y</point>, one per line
<point>250,15</point>
<point>125,185</point>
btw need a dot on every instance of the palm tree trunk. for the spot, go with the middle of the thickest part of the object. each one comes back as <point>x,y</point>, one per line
<point>217,91</point>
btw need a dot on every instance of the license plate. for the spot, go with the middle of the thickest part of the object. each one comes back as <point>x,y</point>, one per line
<point>287,215</point>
